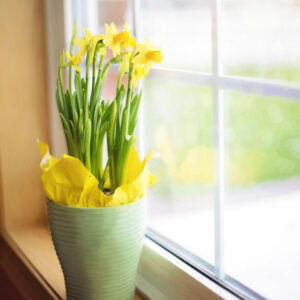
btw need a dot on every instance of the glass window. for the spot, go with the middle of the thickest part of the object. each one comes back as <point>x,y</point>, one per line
<point>262,193</point>
<point>260,38</point>
<point>181,28</point>
<point>178,123</point>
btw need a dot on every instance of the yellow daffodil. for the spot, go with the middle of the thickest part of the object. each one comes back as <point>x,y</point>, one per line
<point>118,40</point>
<point>73,61</point>
<point>147,54</point>
<point>139,74</point>
<point>139,70</point>
<point>84,43</point>
<point>124,66</point>
<point>67,181</point>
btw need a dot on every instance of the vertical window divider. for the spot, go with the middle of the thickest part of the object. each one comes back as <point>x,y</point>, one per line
<point>218,141</point>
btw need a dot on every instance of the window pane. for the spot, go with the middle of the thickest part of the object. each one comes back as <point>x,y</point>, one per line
<point>178,122</point>
<point>262,224</point>
<point>181,28</point>
<point>117,11</point>
<point>260,38</point>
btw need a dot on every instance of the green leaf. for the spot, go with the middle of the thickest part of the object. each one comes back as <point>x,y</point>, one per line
<point>68,134</point>
<point>96,115</point>
<point>134,112</point>
<point>74,30</point>
<point>79,90</point>
<point>88,145</point>
<point>59,100</point>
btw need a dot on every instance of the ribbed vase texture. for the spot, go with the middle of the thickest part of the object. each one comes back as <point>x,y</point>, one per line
<point>98,248</point>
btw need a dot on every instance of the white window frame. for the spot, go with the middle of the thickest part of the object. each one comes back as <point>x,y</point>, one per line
<point>162,274</point>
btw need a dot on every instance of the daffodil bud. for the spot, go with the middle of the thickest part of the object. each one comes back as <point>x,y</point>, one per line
<point>89,53</point>
<point>74,30</point>
<point>118,58</point>
<point>99,45</point>
<point>62,59</point>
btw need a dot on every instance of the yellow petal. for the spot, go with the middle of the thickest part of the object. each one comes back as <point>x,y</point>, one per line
<point>77,68</point>
<point>81,43</point>
<point>125,28</point>
<point>44,149</point>
<point>140,59</point>
<point>148,44</point>
<point>132,42</point>
<point>77,59</point>
<point>138,178</point>
<point>114,28</point>
<point>87,34</point>
<point>147,66</point>
<point>68,55</point>
<point>154,56</point>
<point>107,29</point>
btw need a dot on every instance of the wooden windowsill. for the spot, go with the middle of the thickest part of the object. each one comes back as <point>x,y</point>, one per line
<point>33,246</point>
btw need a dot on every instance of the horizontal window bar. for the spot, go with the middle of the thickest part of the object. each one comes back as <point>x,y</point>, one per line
<point>246,85</point>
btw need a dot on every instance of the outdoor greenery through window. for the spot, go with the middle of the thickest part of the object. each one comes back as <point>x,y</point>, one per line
<point>248,107</point>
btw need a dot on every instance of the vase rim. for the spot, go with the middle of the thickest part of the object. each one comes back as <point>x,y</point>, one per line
<point>115,207</point>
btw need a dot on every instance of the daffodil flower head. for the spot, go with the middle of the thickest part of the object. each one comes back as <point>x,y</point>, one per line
<point>83,43</point>
<point>139,74</point>
<point>118,40</point>
<point>74,61</point>
<point>147,54</point>
<point>124,66</point>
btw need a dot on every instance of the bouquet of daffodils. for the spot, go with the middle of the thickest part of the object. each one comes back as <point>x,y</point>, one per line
<point>94,127</point>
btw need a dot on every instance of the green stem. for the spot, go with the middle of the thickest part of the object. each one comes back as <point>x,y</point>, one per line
<point>101,65</point>
<point>124,144</point>
<point>65,108</point>
<point>128,96</point>
<point>119,80</point>
<point>88,145</point>
<point>94,66</point>
<point>110,145</point>
<point>99,161</point>
<point>74,32</point>
<point>71,73</point>
<point>86,99</point>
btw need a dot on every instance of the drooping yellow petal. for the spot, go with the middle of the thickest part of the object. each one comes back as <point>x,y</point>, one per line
<point>69,57</point>
<point>139,74</point>
<point>84,43</point>
<point>81,43</point>
<point>74,61</point>
<point>87,34</point>
<point>124,66</point>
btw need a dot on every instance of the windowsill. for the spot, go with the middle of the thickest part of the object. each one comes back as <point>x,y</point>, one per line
<point>160,275</point>
<point>34,247</point>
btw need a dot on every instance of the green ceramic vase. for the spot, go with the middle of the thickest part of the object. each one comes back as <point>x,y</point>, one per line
<point>98,248</point>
